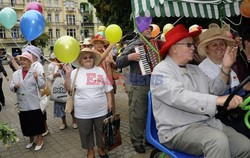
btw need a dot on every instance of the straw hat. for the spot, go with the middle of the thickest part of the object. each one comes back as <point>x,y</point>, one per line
<point>99,37</point>
<point>174,35</point>
<point>214,32</point>
<point>88,50</point>
<point>26,55</point>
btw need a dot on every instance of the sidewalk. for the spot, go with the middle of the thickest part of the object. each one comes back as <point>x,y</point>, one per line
<point>59,143</point>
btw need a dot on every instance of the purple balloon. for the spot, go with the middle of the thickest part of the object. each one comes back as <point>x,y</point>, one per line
<point>35,6</point>
<point>143,22</point>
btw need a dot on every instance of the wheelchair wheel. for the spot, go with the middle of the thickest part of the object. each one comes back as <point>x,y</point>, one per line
<point>156,153</point>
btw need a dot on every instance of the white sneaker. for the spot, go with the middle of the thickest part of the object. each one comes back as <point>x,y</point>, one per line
<point>74,126</point>
<point>38,147</point>
<point>45,133</point>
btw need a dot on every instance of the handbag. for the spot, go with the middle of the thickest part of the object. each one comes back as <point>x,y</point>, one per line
<point>58,93</point>
<point>43,100</point>
<point>111,132</point>
<point>69,103</point>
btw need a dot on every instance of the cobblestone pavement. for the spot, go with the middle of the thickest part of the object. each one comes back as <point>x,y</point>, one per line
<point>61,143</point>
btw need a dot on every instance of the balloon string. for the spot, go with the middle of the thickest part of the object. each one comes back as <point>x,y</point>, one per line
<point>13,39</point>
<point>177,20</point>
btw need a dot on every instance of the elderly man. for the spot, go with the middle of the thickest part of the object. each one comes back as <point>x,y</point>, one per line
<point>184,105</point>
<point>140,86</point>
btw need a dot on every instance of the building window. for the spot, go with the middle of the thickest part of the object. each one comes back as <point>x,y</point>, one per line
<point>49,17</point>
<point>48,2</point>
<point>50,33</point>
<point>1,1</point>
<point>57,33</point>
<point>70,19</point>
<point>86,33</point>
<point>57,17</point>
<point>15,33</point>
<point>56,3</point>
<point>2,33</point>
<point>33,0</point>
<point>70,4</point>
<point>71,32</point>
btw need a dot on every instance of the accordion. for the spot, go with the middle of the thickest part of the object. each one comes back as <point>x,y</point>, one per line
<point>149,59</point>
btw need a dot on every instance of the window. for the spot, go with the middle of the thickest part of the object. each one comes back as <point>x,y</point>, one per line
<point>13,2</point>
<point>50,33</point>
<point>71,32</point>
<point>70,4</point>
<point>48,2</point>
<point>1,1</point>
<point>56,3</point>
<point>2,33</point>
<point>49,17</point>
<point>70,19</point>
<point>33,0</point>
<point>86,33</point>
<point>57,33</point>
<point>15,33</point>
<point>57,17</point>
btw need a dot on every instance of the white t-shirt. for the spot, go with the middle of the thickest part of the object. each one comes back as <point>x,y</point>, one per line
<point>90,100</point>
<point>212,70</point>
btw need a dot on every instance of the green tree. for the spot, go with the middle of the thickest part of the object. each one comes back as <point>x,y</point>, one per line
<point>114,12</point>
<point>42,41</point>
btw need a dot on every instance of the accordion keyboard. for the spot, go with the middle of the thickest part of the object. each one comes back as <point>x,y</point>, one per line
<point>143,63</point>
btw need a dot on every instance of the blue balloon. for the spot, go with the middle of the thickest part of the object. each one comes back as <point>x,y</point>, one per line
<point>101,33</point>
<point>32,24</point>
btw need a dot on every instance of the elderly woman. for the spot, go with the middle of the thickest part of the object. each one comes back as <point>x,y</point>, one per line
<point>92,99</point>
<point>214,42</point>
<point>185,102</point>
<point>25,83</point>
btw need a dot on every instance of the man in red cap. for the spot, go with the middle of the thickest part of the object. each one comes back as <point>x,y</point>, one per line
<point>140,85</point>
<point>185,102</point>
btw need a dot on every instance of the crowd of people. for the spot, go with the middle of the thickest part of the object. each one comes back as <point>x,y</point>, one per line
<point>187,104</point>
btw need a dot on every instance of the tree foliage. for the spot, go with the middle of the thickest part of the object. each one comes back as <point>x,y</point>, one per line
<point>114,12</point>
<point>42,41</point>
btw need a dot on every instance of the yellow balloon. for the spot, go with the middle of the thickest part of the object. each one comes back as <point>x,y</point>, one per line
<point>113,33</point>
<point>167,27</point>
<point>101,29</point>
<point>66,49</point>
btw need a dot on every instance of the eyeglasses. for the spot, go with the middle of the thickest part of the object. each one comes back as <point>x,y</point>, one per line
<point>88,57</point>
<point>189,45</point>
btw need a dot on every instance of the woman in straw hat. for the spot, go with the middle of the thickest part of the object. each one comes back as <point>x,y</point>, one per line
<point>92,99</point>
<point>25,83</point>
<point>214,42</point>
<point>185,102</point>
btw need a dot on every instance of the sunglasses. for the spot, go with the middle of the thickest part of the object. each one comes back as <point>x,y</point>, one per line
<point>88,57</point>
<point>189,45</point>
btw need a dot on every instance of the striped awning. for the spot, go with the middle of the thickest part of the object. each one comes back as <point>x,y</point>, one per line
<point>213,9</point>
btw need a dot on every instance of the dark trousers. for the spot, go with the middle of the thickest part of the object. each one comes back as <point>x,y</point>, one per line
<point>2,98</point>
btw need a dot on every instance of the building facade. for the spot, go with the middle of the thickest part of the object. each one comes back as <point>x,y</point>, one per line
<point>74,18</point>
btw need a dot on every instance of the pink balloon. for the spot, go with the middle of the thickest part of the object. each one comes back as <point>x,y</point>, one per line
<point>35,6</point>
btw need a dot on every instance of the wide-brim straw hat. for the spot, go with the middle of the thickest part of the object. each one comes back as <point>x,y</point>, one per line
<point>87,50</point>
<point>212,33</point>
<point>99,37</point>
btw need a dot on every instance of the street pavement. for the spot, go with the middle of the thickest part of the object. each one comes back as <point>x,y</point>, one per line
<point>62,143</point>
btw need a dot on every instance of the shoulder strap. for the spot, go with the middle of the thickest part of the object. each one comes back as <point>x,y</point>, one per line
<point>74,81</point>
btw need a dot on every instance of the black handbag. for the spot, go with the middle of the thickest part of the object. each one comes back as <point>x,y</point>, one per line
<point>111,131</point>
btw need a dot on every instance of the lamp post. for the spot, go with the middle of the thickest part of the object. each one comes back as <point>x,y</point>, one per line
<point>82,24</point>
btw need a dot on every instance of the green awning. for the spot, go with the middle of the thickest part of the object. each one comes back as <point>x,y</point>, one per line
<point>213,9</point>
